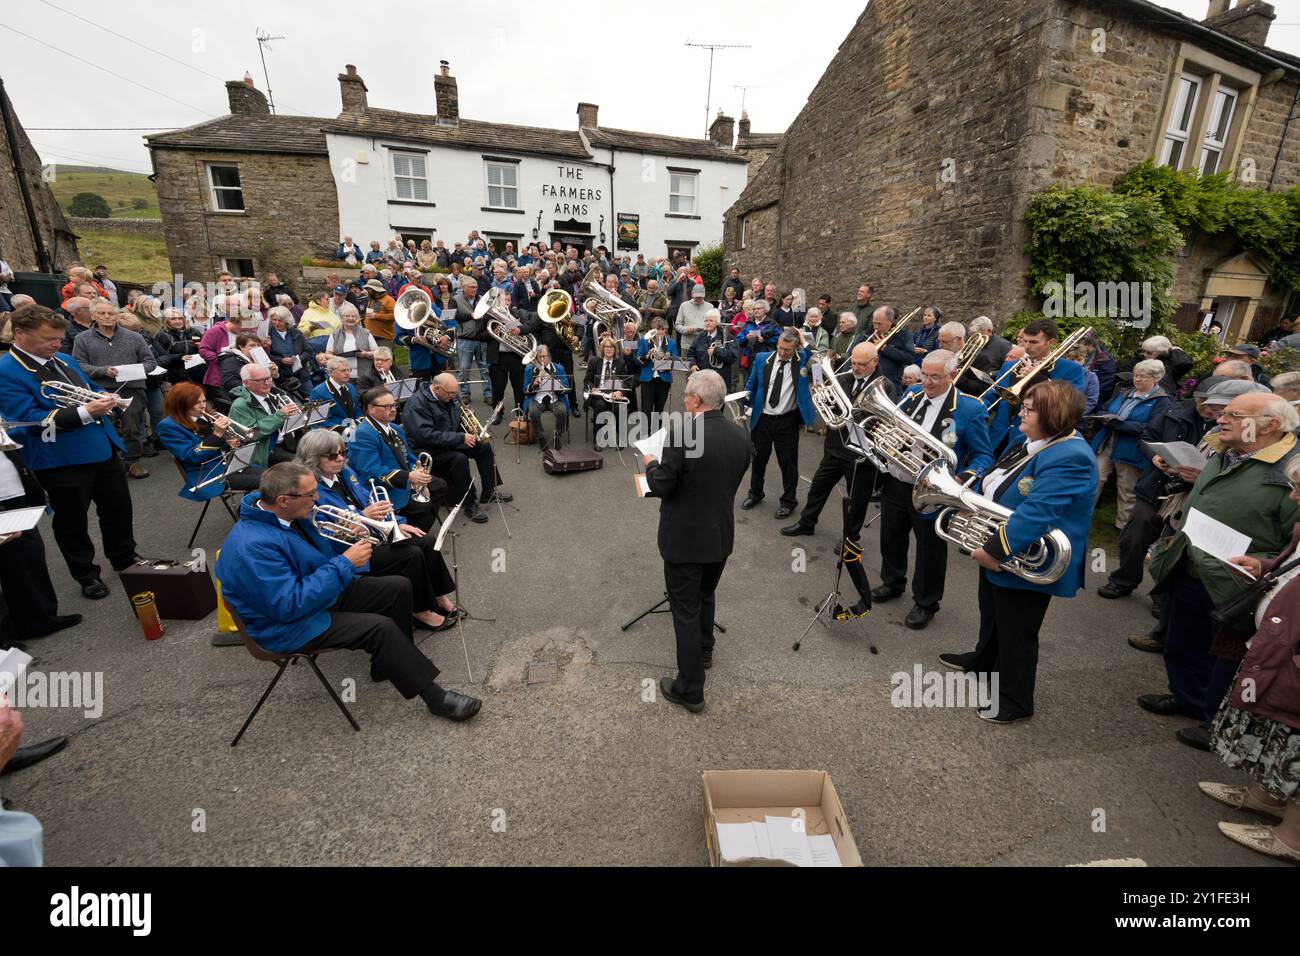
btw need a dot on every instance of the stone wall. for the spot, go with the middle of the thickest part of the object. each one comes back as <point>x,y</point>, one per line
<point>16,245</point>
<point>291,211</point>
<point>143,227</point>
<point>1265,131</point>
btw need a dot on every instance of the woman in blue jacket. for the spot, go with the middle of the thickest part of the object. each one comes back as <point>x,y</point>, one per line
<point>200,445</point>
<point>1116,442</point>
<point>926,338</point>
<point>1048,481</point>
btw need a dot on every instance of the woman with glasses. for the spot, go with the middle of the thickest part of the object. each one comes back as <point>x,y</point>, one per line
<point>416,559</point>
<point>200,444</point>
<point>1116,442</point>
<point>1048,481</point>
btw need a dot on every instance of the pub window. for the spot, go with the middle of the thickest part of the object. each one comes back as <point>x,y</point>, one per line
<point>1216,130</point>
<point>682,188</point>
<point>1181,116</point>
<point>410,180</point>
<point>226,193</point>
<point>502,185</point>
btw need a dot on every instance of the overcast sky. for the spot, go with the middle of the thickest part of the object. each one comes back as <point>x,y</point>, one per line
<point>532,68</point>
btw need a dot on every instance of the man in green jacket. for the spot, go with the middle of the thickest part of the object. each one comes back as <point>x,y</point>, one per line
<point>1243,486</point>
<point>253,407</point>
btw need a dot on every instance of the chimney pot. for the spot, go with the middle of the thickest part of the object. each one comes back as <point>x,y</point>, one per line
<point>447,95</point>
<point>444,68</point>
<point>352,89</point>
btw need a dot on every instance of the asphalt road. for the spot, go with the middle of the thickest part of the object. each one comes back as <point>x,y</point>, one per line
<point>583,769</point>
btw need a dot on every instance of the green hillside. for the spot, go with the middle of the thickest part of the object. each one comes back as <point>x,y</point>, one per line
<point>121,190</point>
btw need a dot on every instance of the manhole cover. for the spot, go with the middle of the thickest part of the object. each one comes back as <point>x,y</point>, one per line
<point>542,672</point>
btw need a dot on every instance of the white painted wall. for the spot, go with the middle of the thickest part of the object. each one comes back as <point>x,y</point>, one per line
<point>369,208</point>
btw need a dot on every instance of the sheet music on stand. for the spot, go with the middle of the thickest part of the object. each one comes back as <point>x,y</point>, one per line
<point>672,365</point>
<point>305,418</point>
<point>240,459</point>
<point>403,388</point>
<point>550,386</point>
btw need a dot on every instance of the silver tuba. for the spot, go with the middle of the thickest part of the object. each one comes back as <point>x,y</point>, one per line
<point>894,439</point>
<point>608,312</point>
<point>968,519</point>
<point>830,399</point>
<point>498,318</point>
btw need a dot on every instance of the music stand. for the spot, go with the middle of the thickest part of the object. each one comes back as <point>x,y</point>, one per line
<point>658,608</point>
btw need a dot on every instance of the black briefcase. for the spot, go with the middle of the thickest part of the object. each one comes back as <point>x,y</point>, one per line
<point>564,460</point>
<point>182,592</point>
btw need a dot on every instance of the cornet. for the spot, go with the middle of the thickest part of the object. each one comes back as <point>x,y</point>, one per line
<point>349,527</point>
<point>242,432</point>
<point>423,460</point>
<point>66,395</point>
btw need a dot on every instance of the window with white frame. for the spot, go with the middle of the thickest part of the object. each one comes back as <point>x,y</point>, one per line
<point>410,177</point>
<point>227,195</point>
<point>1216,129</point>
<point>502,185</point>
<point>238,267</point>
<point>682,189</point>
<point>744,221</point>
<point>1180,121</point>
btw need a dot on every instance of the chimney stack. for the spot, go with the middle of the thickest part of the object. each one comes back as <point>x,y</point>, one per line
<point>444,86</point>
<point>353,90</point>
<point>722,132</point>
<point>1249,21</point>
<point>246,99</point>
<point>744,125</point>
<point>587,113</point>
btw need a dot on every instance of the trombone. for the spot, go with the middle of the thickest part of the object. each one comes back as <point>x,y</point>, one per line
<point>881,342</point>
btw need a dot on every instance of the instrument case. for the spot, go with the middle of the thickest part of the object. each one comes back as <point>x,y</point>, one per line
<point>565,460</point>
<point>182,592</point>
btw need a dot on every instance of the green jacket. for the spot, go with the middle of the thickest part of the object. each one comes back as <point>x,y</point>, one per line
<point>246,411</point>
<point>1254,498</point>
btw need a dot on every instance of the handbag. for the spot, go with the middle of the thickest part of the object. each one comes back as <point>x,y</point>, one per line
<point>1238,612</point>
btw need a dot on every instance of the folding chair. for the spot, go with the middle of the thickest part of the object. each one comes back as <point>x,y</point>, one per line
<point>283,659</point>
<point>225,497</point>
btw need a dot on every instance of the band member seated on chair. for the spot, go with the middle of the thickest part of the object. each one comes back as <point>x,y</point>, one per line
<point>433,420</point>
<point>201,444</point>
<point>254,408</point>
<point>1048,481</point>
<point>606,387</point>
<point>384,372</point>
<point>627,347</point>
<point>414,558</point>
<point>339,390</point>
<point>294,593</point>
<point>779,402</point>
<point>837,462</point>
<point>84,462</point>
<point>546,391</point>
<point>957,420</point>
<point>382,453</point>
<point>656,348</point>
<point>711,350</point>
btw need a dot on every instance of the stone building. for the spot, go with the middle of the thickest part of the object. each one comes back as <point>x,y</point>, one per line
<point>915,157</point>
<point>755,147</point>
<point>249,192</point>
<point>34,234</point>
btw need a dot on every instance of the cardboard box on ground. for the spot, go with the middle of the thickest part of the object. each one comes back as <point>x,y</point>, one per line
<point>752,796</point>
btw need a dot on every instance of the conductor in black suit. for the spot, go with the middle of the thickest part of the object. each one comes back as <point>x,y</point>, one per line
<point>697,485</point>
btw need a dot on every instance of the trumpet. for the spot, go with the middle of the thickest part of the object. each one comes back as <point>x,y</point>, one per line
<point>242,432</point>
<point>1027,370</point>
<point>423,460</point>
<point>67,395</point>
<point>498,323</point>
<point>349,527</point>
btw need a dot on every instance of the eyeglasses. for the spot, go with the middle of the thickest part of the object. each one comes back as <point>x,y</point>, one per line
<point>1239,416</point>
<point>301,494</point>
<point>335,455</point>
<point>1026,409</point>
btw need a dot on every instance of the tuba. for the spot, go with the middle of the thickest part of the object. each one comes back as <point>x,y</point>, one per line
<point>830,399</point>
<point>608,312</point>
<point>894,441</point>
<point>968,519</point>
<point>498,318</point>
<point>413,312</point>
<point>555,308</point>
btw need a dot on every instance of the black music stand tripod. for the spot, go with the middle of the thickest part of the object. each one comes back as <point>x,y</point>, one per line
<point>658,608</point>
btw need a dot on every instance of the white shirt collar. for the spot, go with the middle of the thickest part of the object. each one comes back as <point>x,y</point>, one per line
<point>284,524</point>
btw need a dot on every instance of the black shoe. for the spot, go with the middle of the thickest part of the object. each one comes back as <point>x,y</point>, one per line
<point>227,639</point>
<point>1144,642</point>
<point>449,621</point>
<point>28,756</point>
<point>497,495</point>
<point>61,622</point>
<point>577,413</point>
<point>884,593</point>
<point>666,688</point>
<point>94,589</point>
<point>958,662</point>
<point>751,500</point>
<point>456,706</point>
<point>476,514</point>
<point>1197,737</point>
<point>918,617</point>
<point>798,528</point>
<point>784,511</point>
<point>997,717</point>
<point>1109,590</point>
<point>707,657</point>
<point>1163,704</point>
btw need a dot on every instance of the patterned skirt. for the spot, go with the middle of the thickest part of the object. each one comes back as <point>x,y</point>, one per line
<point>1265,748</point>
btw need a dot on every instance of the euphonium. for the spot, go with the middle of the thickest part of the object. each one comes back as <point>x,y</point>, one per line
<point>830,399</point>
<point>608,312</point>
<point>497,319</point>
<point>893,438</point>
<point>968,519</point>
<point>413,312</point>
<point>555,308</point>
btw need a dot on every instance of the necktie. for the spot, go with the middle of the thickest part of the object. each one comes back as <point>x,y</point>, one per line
<point>858,385</point>
<point>921,411</point>
<point>778,381</point>
<point>608,373</point>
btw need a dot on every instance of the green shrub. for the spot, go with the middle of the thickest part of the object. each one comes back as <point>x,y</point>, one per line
<point>709,261</point>
<point>91,205</point>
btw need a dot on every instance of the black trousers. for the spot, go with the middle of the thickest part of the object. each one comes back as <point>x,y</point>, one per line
<point>417,560</point>
<point>1197,679</point>
<point>559,419</point>
<point>654,395</point>
<point>898,522</point>
<point>424,514</point>
<point>691,590</point>
<point>374,615</point>
<point>507,368</point>
<point>781,432</point>
<point>565,358</point>
<point>25,582</point>
<point>1010,619</point>
<point>1142,530</point>
<point>452,465</point>
<point>859,476</point>
<point>71,489</point>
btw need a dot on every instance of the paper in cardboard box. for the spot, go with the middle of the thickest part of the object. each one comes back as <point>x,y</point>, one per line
<point>742,796</point>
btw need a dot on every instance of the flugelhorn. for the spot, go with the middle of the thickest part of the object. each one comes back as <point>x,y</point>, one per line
<point>67,395</point>
<point>498,317</point>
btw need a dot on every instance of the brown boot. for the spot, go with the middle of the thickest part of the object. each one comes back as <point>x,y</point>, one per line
<point>137,470</point>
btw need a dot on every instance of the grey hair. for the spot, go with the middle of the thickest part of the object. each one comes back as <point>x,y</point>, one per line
<point>887,311</point>
<point>982,323</point>
<point>713,313</point>
<point>791,336</point>
<point>248,370</point>
<point>1234,368</point>
<point>1153,367</point>
<point>949,360</point>
<point>281,479</point>
<point>708,386</point>
<point>383,352</point>
<point>1286,380</point>
<point>1288,418</point>
<point>348,308</point>
<point>912,371</point>
<point>938,312</point>
<point>811,311</point>
<point>756,302</point>
<point>954,328</point>
<point>316,443</point>
<point>339,361</point>
<point>1159,344</point>
<point>282,313</point>
<point>850,316</point>
<point>1292,468</point>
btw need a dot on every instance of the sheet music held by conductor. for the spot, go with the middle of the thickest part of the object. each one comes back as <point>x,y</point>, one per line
<point>653,445</point>
<point>20,519</point>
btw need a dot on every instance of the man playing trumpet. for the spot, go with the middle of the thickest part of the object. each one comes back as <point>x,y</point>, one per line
<point>382,453</point>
